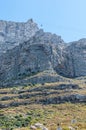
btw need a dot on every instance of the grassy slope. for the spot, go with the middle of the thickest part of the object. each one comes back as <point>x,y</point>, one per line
<point>49,115</point>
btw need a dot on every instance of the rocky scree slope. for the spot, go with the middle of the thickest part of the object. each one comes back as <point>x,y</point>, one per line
<point>28,54</point>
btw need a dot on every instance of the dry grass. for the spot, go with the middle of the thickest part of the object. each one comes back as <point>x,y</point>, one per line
<point>51,114</point>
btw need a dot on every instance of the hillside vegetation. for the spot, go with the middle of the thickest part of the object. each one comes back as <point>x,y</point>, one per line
<point>49,104</point>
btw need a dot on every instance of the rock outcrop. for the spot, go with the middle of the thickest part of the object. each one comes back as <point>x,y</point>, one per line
<point>13,33</point>
<point>25,50</point>
<point>74,64</point>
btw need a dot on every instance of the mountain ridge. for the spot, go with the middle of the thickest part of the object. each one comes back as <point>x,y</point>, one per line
<point>36,51</point>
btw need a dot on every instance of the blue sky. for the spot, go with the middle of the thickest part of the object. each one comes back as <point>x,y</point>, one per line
<point>63,17</point>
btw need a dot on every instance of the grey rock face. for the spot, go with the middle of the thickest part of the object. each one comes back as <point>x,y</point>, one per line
<point>13,33</point>
<point>74,64</point>
<point>78,55</point>
<point>31,57</point>
<point>26,50</point>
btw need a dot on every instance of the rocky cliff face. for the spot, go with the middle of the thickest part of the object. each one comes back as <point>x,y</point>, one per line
<point>40,53</point>
<point>26,50</point>
<point>74,64</point>
<point>78,57</point>
<point>13,33</point>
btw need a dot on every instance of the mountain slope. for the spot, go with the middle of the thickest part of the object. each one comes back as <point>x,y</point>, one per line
<point>34,52</point>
